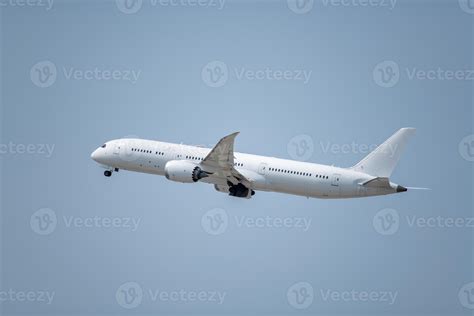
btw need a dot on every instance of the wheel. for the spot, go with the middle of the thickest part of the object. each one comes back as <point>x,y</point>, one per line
<point>107,173</point>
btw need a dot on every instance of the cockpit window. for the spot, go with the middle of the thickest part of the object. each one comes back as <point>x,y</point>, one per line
<point>103,146</point>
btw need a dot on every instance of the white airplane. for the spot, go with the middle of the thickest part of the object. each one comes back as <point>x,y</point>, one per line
<point>241,174</point>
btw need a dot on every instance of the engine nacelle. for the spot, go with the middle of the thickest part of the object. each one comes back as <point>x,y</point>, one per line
<point>184,171</point>
<point>240,190</point>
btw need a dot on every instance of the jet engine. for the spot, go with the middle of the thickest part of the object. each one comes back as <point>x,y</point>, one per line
<point>240,190</point>
<point>184,171</point>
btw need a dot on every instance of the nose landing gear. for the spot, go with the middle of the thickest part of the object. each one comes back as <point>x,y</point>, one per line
<point>108,173</point>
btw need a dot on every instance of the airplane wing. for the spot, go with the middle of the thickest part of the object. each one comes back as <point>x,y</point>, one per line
<point>220,161</point>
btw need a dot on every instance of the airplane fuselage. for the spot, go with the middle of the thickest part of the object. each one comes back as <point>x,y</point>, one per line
<point>176,161</point>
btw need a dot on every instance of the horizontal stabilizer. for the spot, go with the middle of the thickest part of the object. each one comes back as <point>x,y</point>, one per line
<point>377,183</point>
<point>383,183</point>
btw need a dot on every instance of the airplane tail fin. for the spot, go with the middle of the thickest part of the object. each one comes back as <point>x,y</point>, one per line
<point>382,161</point>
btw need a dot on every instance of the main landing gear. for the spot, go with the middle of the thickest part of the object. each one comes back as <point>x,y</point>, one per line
<point>108,173</point>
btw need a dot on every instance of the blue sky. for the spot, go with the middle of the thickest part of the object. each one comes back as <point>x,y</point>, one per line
<point>320,81</point>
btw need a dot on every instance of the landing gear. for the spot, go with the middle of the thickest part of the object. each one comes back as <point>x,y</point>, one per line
<point>107,173</point>
<point>239,190</point>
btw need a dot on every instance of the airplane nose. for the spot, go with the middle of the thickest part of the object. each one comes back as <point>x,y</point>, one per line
<point>95,154</point>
